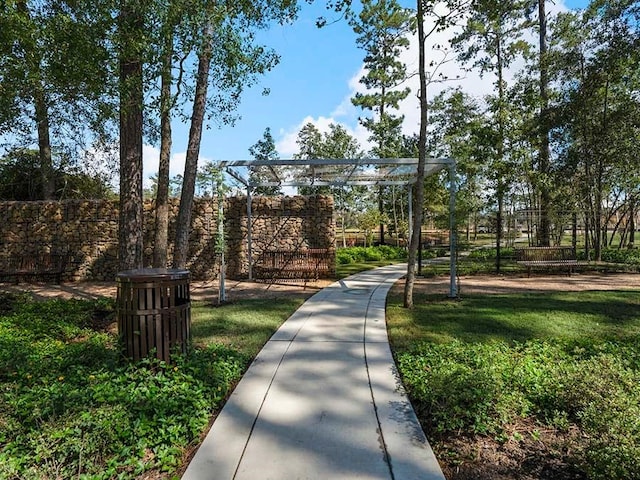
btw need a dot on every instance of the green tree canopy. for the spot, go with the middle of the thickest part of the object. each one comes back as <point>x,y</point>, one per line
<point>264,150</point>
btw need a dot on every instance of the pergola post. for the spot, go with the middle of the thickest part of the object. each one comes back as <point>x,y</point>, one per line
<point>453,289</point>
<point>249,237</point>
<point>410,204</point>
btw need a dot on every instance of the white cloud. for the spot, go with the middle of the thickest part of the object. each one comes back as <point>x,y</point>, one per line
<point>345,109</point>
<point>103,160</point>
<point>437,48</point>
<point>287,145</point>
<point>151,159</point>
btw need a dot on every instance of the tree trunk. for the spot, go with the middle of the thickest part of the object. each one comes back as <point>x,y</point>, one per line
<point>500,152</point>
<point>161,239</point>
<point>193,150</point>
<point>600,172</point>
<point>544,164</point>
<point>395,215</point>
<point>632,221</point>
<point>574,230</point>
<point>381,210</point>
<point>422,157</point>
<point>41,111</point>
<point>44,142</point>
<point>131,27</point>
<point>499,218</point>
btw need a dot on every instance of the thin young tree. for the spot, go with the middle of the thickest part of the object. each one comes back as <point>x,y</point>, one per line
<point>337,143</point>
<point>414,245</point>
<point>544,162</point>
<point>438,21</point>
<point>183,221</point>
<point>228,61</point>
<point>264,150</point>
<point>491,41</point>
<point>170,19</point>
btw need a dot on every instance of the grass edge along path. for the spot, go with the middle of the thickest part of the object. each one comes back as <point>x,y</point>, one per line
<point>70,407</point>
<point>524,385</point>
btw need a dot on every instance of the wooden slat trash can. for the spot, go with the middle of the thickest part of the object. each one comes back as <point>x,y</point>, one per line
<point>154,312</point>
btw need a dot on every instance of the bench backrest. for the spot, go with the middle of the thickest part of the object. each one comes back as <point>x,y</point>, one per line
<point>310,259</point>
<point>545,254</point>
<point>34,263</point>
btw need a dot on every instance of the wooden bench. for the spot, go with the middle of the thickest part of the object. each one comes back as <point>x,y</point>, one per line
<point>35,266</point>
<point>309,264</point>
<point>547,257</point>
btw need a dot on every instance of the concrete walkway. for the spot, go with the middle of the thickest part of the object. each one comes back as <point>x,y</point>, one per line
<point>322,400</point>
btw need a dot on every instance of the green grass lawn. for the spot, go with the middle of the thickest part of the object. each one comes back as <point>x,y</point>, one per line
<point>244,326</point>
<point>71,407</point>
<point>343,271</point>
<point>507,367</point>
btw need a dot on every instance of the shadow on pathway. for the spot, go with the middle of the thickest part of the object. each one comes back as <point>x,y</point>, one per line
<point>323,399</point>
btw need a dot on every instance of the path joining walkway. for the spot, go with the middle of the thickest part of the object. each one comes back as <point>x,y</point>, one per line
<point>322,400</point>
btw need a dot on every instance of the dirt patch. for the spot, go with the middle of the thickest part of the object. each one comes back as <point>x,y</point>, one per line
<point>547,455</point>
<point>208,290</point>
<point>200,290</point>
<point>495,284</point>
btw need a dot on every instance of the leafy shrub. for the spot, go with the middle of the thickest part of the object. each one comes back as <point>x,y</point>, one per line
<point>482,388</point>
<point>70,408</point>
<point>345,256</point>
<point>489,254</point>
<point>618,255</point>
<point>436,252</point>
<point>458,386</point>
<point>601,393</point>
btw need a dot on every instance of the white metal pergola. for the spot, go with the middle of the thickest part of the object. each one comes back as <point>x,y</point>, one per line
<point>342,172</point>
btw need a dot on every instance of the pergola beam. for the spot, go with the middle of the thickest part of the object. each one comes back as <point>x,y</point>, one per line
<point>321,172</point>
<point>325,161</point>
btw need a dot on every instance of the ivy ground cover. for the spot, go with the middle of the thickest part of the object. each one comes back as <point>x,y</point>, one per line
<point>525,385</point>
<point>72,407</point>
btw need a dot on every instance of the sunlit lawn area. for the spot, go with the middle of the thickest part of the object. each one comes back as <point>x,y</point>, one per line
<point>553,377</point>
<point>343,271</point>
<point>245,326</point>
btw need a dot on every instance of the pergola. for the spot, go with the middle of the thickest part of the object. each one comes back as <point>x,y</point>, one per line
<point>342,172</point>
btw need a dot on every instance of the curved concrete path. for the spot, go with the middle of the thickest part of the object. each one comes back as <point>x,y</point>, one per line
<point>322,400</point>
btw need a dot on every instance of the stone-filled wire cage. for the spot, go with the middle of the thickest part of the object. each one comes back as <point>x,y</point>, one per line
<point>278,224</point>
<point>87,232</point>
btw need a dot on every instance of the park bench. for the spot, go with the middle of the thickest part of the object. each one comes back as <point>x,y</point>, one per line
<point>309,264</point>
<point>39,266</point>
<point>547,258</point>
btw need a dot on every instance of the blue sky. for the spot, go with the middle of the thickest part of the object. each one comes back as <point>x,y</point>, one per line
<point>314,80</point>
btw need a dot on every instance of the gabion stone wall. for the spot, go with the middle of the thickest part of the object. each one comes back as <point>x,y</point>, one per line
<point>279,223</point>
<point>87,231</point>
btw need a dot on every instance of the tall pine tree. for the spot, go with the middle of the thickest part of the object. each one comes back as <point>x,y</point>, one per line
<point>383,29</point>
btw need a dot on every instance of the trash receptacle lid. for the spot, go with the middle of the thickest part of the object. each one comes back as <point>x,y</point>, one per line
<point>145,274</point>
